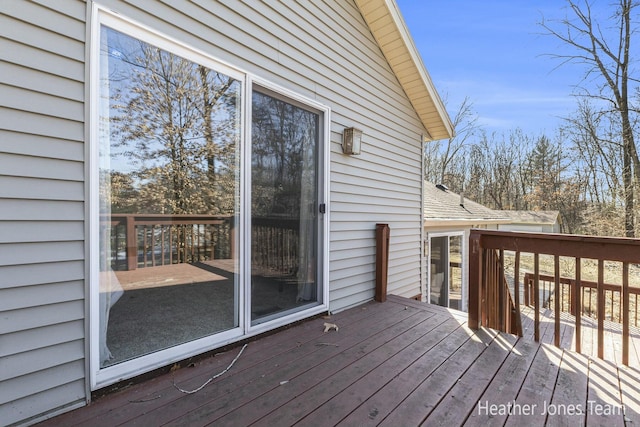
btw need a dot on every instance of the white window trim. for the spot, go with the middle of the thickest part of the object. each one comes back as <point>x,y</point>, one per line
<point>101,377</point>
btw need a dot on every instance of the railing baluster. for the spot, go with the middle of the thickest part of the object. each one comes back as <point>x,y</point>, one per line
<point>579,293</point>
<point>536,296</point>
<point>625,313</point>
<point>503,316</point>
<point>516,287</point>
<point>611,306</point>
<point>556,301</point>
<point>516,280</point>
<point>600,300</point>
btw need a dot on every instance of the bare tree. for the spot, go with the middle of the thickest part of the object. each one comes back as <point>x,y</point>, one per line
<point>605,54</point>
<point>445,161</point>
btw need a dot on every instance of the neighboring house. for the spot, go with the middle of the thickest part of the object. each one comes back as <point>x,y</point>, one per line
<point>448,218</point>
<point>172,179</point>
<point>532,221</point>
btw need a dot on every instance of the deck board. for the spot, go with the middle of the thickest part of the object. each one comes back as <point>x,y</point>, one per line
<point>401,362</point>
<point>506,383</point>
<point>603,398</point>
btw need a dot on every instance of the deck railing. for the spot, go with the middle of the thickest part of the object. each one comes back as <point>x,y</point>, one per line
<point>588,290</point>
<point>149,240</point>
<point>275,245</point>
<point>601,249</point>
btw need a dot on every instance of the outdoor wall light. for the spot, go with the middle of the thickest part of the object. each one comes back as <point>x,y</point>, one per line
<point>351,141</point>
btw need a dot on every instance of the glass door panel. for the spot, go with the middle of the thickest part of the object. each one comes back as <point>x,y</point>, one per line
<point>446,264</point>
<point>284,195</point>
<point>169,134</point>
<point>455,272</point>
<point>439,280</point>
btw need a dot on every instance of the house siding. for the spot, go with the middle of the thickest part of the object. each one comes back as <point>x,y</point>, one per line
<point>42,298</point>
<point>324,51</point>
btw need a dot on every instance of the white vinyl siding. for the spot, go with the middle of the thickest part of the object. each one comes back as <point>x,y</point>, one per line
<point>320,50</point>
<point>42,306</point>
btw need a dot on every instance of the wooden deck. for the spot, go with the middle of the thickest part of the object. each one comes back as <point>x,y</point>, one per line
<point>612,335</point>
<point>398,363</point>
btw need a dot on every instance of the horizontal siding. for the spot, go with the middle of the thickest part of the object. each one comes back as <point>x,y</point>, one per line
<point>33,383</point>
<point>32,145</point>
<point>40,295</point>
<point>42,252</point>
<point>62,396</point>
<point>40,210</point>
<point>17,365</point>
<point>48,336</point>
<point>44,315</point>
<point>38,167</point>
<point>32,231</point>
<point>42,202</point>
<point>16,275</point>
<point>44,189</point>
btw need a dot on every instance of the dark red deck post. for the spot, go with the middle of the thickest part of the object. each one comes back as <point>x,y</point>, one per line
<point>132,242</point>
<point>475,279</point>
<point>382,261</point>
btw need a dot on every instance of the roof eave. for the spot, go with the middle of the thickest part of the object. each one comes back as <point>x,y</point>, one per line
<point>387,26</point>
<point>438,222</point>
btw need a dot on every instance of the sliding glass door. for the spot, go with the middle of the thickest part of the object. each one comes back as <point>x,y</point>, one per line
<point>206,214</point>
<point>284,206</point>
<point>446,281</point>
<point>169,132</point>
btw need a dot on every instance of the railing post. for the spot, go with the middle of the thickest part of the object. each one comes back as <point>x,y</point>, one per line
<point>382,261</point>
<point>232,237</point>
<point>475,280</point>
<point>132,242</point>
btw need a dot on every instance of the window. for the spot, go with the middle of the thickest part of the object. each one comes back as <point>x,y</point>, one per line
<point>206,188</point>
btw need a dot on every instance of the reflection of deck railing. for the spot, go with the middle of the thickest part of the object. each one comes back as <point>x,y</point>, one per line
<point>275,244</point>
<point>601,249</point>
<point>147,240</point>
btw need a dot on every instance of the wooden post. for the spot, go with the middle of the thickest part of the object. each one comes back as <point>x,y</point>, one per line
<point>382,261</point>
<point>232,238</point>
<point>132,242</point>
<point>475,280</point>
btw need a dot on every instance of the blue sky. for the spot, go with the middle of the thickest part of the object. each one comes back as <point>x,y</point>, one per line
<point>493,52</point>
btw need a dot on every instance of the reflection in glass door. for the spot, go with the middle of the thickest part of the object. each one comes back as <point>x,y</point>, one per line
<point>168,196</point>
<point>284,207</point>
<point>446,281</point>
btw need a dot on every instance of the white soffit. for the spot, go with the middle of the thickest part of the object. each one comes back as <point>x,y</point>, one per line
<point>390,31</point>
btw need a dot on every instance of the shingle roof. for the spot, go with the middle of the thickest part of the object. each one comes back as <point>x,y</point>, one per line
<point>444,206</point>
<point>531,217</point>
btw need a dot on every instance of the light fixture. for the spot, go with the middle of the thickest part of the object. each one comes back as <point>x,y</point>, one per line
<point>351,141</point>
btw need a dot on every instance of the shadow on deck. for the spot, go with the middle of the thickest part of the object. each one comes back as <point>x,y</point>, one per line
<point>401,362</point>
